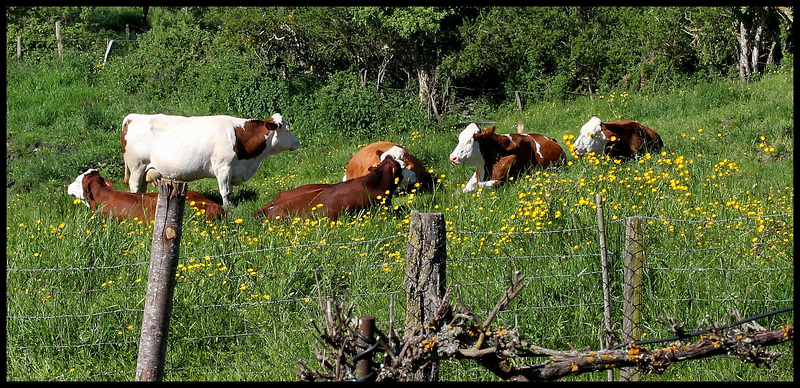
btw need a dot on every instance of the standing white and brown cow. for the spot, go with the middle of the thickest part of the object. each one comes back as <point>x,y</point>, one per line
<point>227,148</point>
<point>497,157</point>
<point>620,139</point>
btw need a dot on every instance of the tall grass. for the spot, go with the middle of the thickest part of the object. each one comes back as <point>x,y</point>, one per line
<point>719,232</point>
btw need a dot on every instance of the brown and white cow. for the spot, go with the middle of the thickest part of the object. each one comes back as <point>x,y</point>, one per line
<point>617,139</point>
<point>363,159</point>
<point>498,157</point>
<point>227,148</point>
<point>331,200</point>
<point>97,193</point>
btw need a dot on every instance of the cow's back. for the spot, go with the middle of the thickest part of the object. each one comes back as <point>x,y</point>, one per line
<point>547,152</point>
<point>187,148</point>
<point>359,163</point>
<point>630,138</point>
<point>293,202</point>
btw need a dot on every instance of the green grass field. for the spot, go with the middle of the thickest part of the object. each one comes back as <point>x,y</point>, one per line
<point>718,203</point>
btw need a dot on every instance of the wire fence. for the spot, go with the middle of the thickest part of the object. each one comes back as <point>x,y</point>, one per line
<point>562,305</point>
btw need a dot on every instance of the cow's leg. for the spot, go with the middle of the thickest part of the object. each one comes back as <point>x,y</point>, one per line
<point>472,184</point>
<point>136,181</point>
<point>488,184</point>
<point>224,183</point>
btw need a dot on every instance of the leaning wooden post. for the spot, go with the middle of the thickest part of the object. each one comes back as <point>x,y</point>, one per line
<point>601,229</point>
<point>59,44</point>
<point>161,279</point>
<point>425,277</point>
<point>519,100</point>
<point>632,292</point>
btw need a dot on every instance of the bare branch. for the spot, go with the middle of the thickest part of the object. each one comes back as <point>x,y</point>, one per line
<point>505,354</point>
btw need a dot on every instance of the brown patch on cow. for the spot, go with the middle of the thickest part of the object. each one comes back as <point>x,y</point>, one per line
<point>510,155</point>
<point>250,140</point>
<point>630,138</point>
<point>124,132</point>
<point>330,200</point>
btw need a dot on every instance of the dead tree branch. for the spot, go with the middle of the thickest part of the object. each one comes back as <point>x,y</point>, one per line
<point>456,333</point>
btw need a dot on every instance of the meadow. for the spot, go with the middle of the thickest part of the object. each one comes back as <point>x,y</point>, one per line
<point>717,202</point>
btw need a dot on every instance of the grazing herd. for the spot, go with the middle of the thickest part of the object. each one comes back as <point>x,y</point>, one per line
<point>230,149</point>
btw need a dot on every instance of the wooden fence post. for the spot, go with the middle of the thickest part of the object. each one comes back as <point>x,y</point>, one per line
<point>425,277</point>
<point>519,100</point>
<point>19,47</point>
<point>632,292</point>
<point>366,328</point>
<point>58,40</point>
<point>161,279</point>
<point>601,229</point>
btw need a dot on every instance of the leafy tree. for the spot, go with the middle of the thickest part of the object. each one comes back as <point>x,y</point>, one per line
<point>420,33</point>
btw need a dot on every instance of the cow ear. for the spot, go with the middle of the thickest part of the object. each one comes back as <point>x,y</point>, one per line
<point>379,153</point>
<point>490,130</point>
<point>108,182</point>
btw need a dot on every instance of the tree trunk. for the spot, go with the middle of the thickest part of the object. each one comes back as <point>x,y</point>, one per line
<point>758,35</point>
<point>744,49</point>
<point>426,82</point>
<point>756,23</point>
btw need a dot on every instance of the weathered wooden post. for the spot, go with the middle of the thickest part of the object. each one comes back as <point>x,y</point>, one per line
<point>19,47</point>
<point>366,328</point>
<point>632,292</point>
<point>601,229</point>
<point>519,100</point>
<point>161,279</point>
<point>425,277</point>
<point>59,44</point>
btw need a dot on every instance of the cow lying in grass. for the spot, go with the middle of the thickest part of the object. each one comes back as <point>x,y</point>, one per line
<point>97,193</point>
<point>414,172</point>
<point>498,157</point>
<point>331,200</point>
<point>618,139</point>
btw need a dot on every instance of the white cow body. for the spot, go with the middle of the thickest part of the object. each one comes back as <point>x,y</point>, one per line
<point>227,148</point>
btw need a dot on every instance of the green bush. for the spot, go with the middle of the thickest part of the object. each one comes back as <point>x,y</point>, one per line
<point>342,105</point>
<point>166,61</point>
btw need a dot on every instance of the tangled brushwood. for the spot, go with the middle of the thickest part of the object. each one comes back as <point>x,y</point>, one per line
<point>456,333</point>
